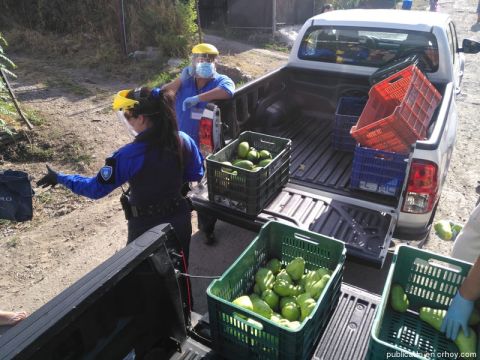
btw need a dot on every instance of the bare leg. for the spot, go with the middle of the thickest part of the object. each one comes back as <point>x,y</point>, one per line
<point>11,317</point>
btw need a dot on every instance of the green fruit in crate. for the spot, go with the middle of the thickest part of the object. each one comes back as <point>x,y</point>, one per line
<point>243,149</point>
<point>264,155</point>
<point>256,289</point>
<point>236,161</point>
<point>262,308</point>
<point>398,298</point>
<point>287,299</point>
<point>271,298</point>
<point>265,162</point>
<point>314,276</point>
<point>282,275</point>
<point>303,297</point>
<point>306,308</point>
<point>284,288</point>
<point>291,312</point>
<point>245,164</point>
<point>316,288</point>
<point>434,317</point>
<point>254,296</point>
<point>243,302</point>
<point>443,230</point>
<point>252,155</point>
<point>296,268</point>
<point>275,265</point>
<point>264,278</point>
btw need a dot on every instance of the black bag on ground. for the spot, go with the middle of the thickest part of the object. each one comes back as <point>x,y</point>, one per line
<point>15,196</point>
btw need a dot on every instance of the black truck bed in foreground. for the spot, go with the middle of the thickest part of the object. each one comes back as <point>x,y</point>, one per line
<point>131,301</point>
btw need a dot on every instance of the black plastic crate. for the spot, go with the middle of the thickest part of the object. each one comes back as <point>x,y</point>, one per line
<point>378,171</point>
<point>346,115</point>
<point>396,66</point>
<point>244,190</point>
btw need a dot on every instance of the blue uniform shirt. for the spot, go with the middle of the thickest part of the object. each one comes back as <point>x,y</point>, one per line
<point>127,162</point>
<point>189,88</point>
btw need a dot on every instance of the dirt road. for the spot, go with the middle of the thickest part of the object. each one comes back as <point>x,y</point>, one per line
<point>71,235</point>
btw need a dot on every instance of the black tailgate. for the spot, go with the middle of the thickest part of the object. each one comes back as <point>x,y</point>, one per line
<point>366,232</point>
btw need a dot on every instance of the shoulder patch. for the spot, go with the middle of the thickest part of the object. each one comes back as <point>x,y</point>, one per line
<point>106,175</point>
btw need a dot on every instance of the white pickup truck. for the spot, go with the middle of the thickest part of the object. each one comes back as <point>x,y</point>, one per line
<point>335,55</point>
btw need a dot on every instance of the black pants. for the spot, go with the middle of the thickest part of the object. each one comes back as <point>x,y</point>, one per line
<point>181,222</point>
<point>206,223</point>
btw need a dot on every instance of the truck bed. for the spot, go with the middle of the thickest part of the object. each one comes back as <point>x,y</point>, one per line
<point>316,164</point>
<point>345,337</point>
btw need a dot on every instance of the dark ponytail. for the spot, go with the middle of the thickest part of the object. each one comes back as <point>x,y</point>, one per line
<point>158,106</point>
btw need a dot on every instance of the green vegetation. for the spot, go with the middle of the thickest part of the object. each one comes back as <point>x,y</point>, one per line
<point>6,108</point>
<point>69,85</point>
<point>70,30</point>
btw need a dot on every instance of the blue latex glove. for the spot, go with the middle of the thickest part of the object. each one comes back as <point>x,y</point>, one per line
<point>189,102</point>
<point>187,73</point>
<point>457,316</point>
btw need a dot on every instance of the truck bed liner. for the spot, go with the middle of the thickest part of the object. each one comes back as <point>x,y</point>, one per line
<point>316,164</point>
<point>365,232</point>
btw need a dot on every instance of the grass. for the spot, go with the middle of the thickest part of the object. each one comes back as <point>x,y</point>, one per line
<point>44,197</point>
<point>13,242</point>
<point>277,47</point>
<point>73,153</point>
<point>34,117</point>
<point>69,85</point>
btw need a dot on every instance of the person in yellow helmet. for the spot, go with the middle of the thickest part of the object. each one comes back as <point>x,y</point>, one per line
<point>156,165</point>
<point>198,84</point>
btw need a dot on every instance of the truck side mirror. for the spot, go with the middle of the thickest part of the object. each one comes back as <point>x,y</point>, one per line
<point>470,46</point>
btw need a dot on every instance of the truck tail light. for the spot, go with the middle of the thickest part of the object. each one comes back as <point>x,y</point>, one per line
<point>422,187</point>
<point>206,136</point>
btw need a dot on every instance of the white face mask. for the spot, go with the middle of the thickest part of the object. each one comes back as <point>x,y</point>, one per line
<point>121,117</point>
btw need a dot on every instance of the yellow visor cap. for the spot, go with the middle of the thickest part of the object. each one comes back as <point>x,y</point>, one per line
<point>121,102</point>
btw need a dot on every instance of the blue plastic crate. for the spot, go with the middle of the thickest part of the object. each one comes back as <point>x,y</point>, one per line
<point>378,171</point>
<point>348,111</point>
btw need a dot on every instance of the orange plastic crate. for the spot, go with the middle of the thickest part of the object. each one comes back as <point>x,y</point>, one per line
<point>397,112</point>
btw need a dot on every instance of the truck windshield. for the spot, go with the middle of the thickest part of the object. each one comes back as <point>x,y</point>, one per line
<point>367,46</point>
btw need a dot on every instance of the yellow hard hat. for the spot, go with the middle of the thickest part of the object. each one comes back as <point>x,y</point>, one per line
<point>122,102</point>
<point>205,48</point>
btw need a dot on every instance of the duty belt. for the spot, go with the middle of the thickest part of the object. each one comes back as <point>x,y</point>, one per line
<point>164,208</point>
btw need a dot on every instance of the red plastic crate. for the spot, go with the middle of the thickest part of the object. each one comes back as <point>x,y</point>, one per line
<point>398,112</point>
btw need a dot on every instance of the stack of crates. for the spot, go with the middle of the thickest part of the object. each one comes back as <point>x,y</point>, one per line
<point>429,280</point>
<point>239,333</point>
<point>397,114</point>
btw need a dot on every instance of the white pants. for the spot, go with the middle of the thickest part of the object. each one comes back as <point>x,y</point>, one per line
<point>467,245</point>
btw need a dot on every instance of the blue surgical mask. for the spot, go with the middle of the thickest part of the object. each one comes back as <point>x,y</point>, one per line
<point>205,70</point>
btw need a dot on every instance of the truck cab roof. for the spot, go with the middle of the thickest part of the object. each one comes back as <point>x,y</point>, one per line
<point>394,19</point>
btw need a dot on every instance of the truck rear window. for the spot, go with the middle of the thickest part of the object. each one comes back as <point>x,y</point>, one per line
<point>367,46</point>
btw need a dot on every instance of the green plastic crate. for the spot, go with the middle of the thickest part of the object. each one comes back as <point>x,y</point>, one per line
<point>243,190</point>
<point>428,280</point>
<point>235,338</point>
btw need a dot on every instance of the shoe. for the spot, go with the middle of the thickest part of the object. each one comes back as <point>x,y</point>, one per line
<point>209,238</point>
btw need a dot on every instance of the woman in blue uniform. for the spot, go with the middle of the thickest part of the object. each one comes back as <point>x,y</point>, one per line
<point>156,165</point>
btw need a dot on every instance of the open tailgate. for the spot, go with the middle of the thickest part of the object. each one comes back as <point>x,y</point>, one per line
<point>365,228</point>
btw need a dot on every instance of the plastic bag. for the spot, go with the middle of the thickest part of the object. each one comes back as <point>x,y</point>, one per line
<point>15,196</point>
